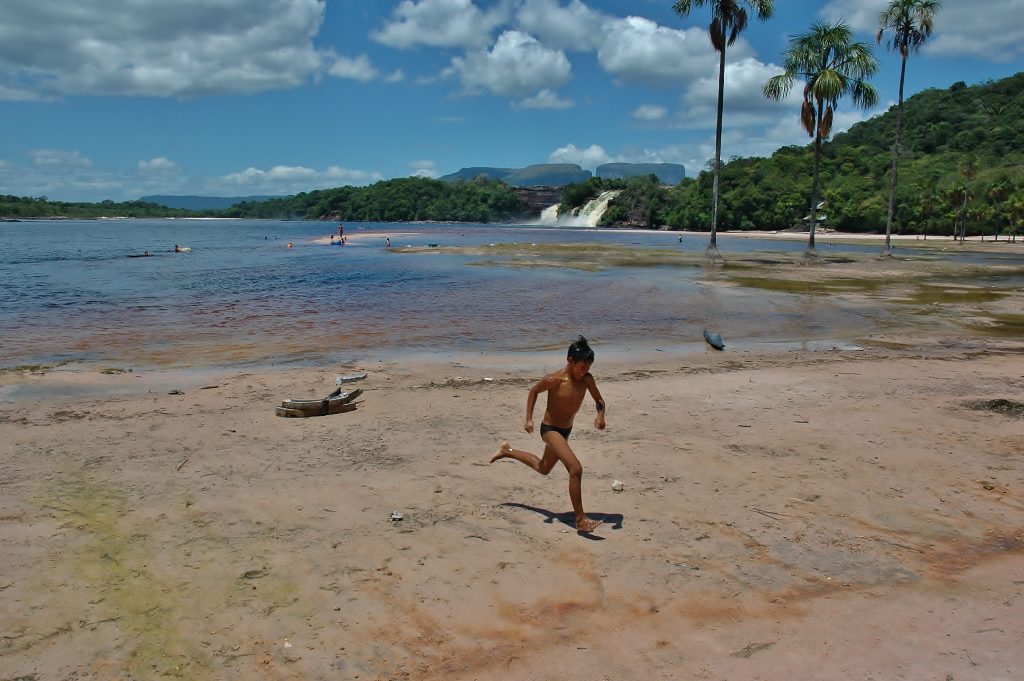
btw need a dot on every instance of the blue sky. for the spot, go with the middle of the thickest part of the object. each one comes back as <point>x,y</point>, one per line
<point>115,99</point>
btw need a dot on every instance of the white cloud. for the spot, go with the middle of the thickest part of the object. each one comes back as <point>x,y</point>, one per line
<point>545,99</point>
<point>588,158</point>
<point>573,27</point>
<point>649,112</point>
<point>358,68</point>
<point>744,102</point>
<point>8,94</point>
<point>517,66</point>
<point>423,168</point>
<point>440,23</point>
<point>993,30</point>
<point>594,155</point>
<point>638,51</point>
<point>55,158</point>
<point>183,49</point>
<point>860,16</point>
<point>159,164</point>
<point>287,180</point>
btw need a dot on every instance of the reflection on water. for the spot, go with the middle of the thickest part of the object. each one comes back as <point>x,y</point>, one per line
<point>241,296</point>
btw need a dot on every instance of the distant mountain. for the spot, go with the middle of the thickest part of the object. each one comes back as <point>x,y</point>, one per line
<point>202,202</point>
<point>550,174</point>
<point>667,173</point>
<point>562,174</point>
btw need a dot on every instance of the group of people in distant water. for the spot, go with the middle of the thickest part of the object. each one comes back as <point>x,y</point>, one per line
<point>341,239</point>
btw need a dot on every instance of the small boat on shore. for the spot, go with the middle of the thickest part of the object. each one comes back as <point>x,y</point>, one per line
<point>335,404</point>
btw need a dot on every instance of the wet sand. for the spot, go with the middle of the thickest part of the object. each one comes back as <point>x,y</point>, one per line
<point>784,515</point>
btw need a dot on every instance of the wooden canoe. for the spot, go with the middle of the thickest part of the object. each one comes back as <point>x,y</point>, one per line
<point>305,413</point>
<point>321,407</point>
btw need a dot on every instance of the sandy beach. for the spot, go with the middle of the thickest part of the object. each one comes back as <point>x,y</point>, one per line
<point>853,513</point>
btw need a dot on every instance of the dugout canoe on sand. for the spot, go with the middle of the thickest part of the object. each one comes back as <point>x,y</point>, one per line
<point>336,404</point>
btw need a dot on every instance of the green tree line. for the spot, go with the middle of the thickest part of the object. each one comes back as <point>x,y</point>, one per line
<point>16,207</point>
<point>961,166</point>
<point>408,199</point>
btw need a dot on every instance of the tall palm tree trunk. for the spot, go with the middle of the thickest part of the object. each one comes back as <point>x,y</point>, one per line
<point>896,151</point>
<point>963,219</point>
<point>811,253</point>
<point>712,249</point>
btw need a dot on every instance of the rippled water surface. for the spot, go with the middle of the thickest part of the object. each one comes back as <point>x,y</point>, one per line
<point>241,296</point>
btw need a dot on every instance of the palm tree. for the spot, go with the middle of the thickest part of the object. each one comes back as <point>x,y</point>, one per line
<point>728,19</point>
<point>831,65</point>
<point>911,23</point>
<point>969,171</point>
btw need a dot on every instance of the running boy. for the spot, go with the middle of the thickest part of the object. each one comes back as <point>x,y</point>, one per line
<point>566,389</point>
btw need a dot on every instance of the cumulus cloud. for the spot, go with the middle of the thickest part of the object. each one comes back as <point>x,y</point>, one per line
<point>545,99</point>
<point>423,168</point>
<point>860,16</point>
<point>573,27</point>
<point>744,102</point>
<point>993,32</point>
<point>56,158</point>
<point>594,155</point>
<point>639,51</point>
<point>183,49</point>
<point>517,66</point>
<point>649,112</point>
<point>358,68</point>
<point>159,164</point>
<point>287,180</point>
<point>440,23</point>
<point>588,158</point>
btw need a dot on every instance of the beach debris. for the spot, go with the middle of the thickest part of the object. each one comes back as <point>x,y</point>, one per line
<point>686,566</point>
<point>176,392</point>
<point>336,403</point>
<point>395,516</point>
<point>351,378</point>
<point>618,486</point>
<point>488,379</point>
<point>999,406</point>
<point>714,339</point>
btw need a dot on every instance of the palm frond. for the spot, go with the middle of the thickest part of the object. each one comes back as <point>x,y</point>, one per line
<point>807,117</point>
<point>825,126</point>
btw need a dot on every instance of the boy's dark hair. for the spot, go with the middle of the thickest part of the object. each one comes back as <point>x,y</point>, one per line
<point>580,351</point>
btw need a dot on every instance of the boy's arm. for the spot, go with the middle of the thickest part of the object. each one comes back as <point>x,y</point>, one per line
<point>543,385</point>
<point>601,409</point>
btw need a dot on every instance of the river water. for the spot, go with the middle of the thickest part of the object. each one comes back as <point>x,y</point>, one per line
<point>242,297</point>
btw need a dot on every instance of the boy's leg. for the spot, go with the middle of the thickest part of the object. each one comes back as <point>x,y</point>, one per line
<point>542,465</point>
<point>559,447</point>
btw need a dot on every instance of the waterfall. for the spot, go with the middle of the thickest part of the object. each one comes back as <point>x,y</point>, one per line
<point>549,216</point>
<point>587,216</point>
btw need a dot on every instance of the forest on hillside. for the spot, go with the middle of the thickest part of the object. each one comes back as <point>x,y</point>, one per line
<point>962,160</point>
<point>409,199</point>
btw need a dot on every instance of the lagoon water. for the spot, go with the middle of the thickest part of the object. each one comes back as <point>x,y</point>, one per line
<point>241,297</point>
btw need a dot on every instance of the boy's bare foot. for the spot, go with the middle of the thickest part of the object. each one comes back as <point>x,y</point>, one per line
<point>587,525</point>
<point>504,450</point>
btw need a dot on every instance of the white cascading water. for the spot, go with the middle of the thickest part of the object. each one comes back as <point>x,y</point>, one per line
<point>587,216</point>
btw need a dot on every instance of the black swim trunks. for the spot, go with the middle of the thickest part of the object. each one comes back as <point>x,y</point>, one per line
<point>564,432</point>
